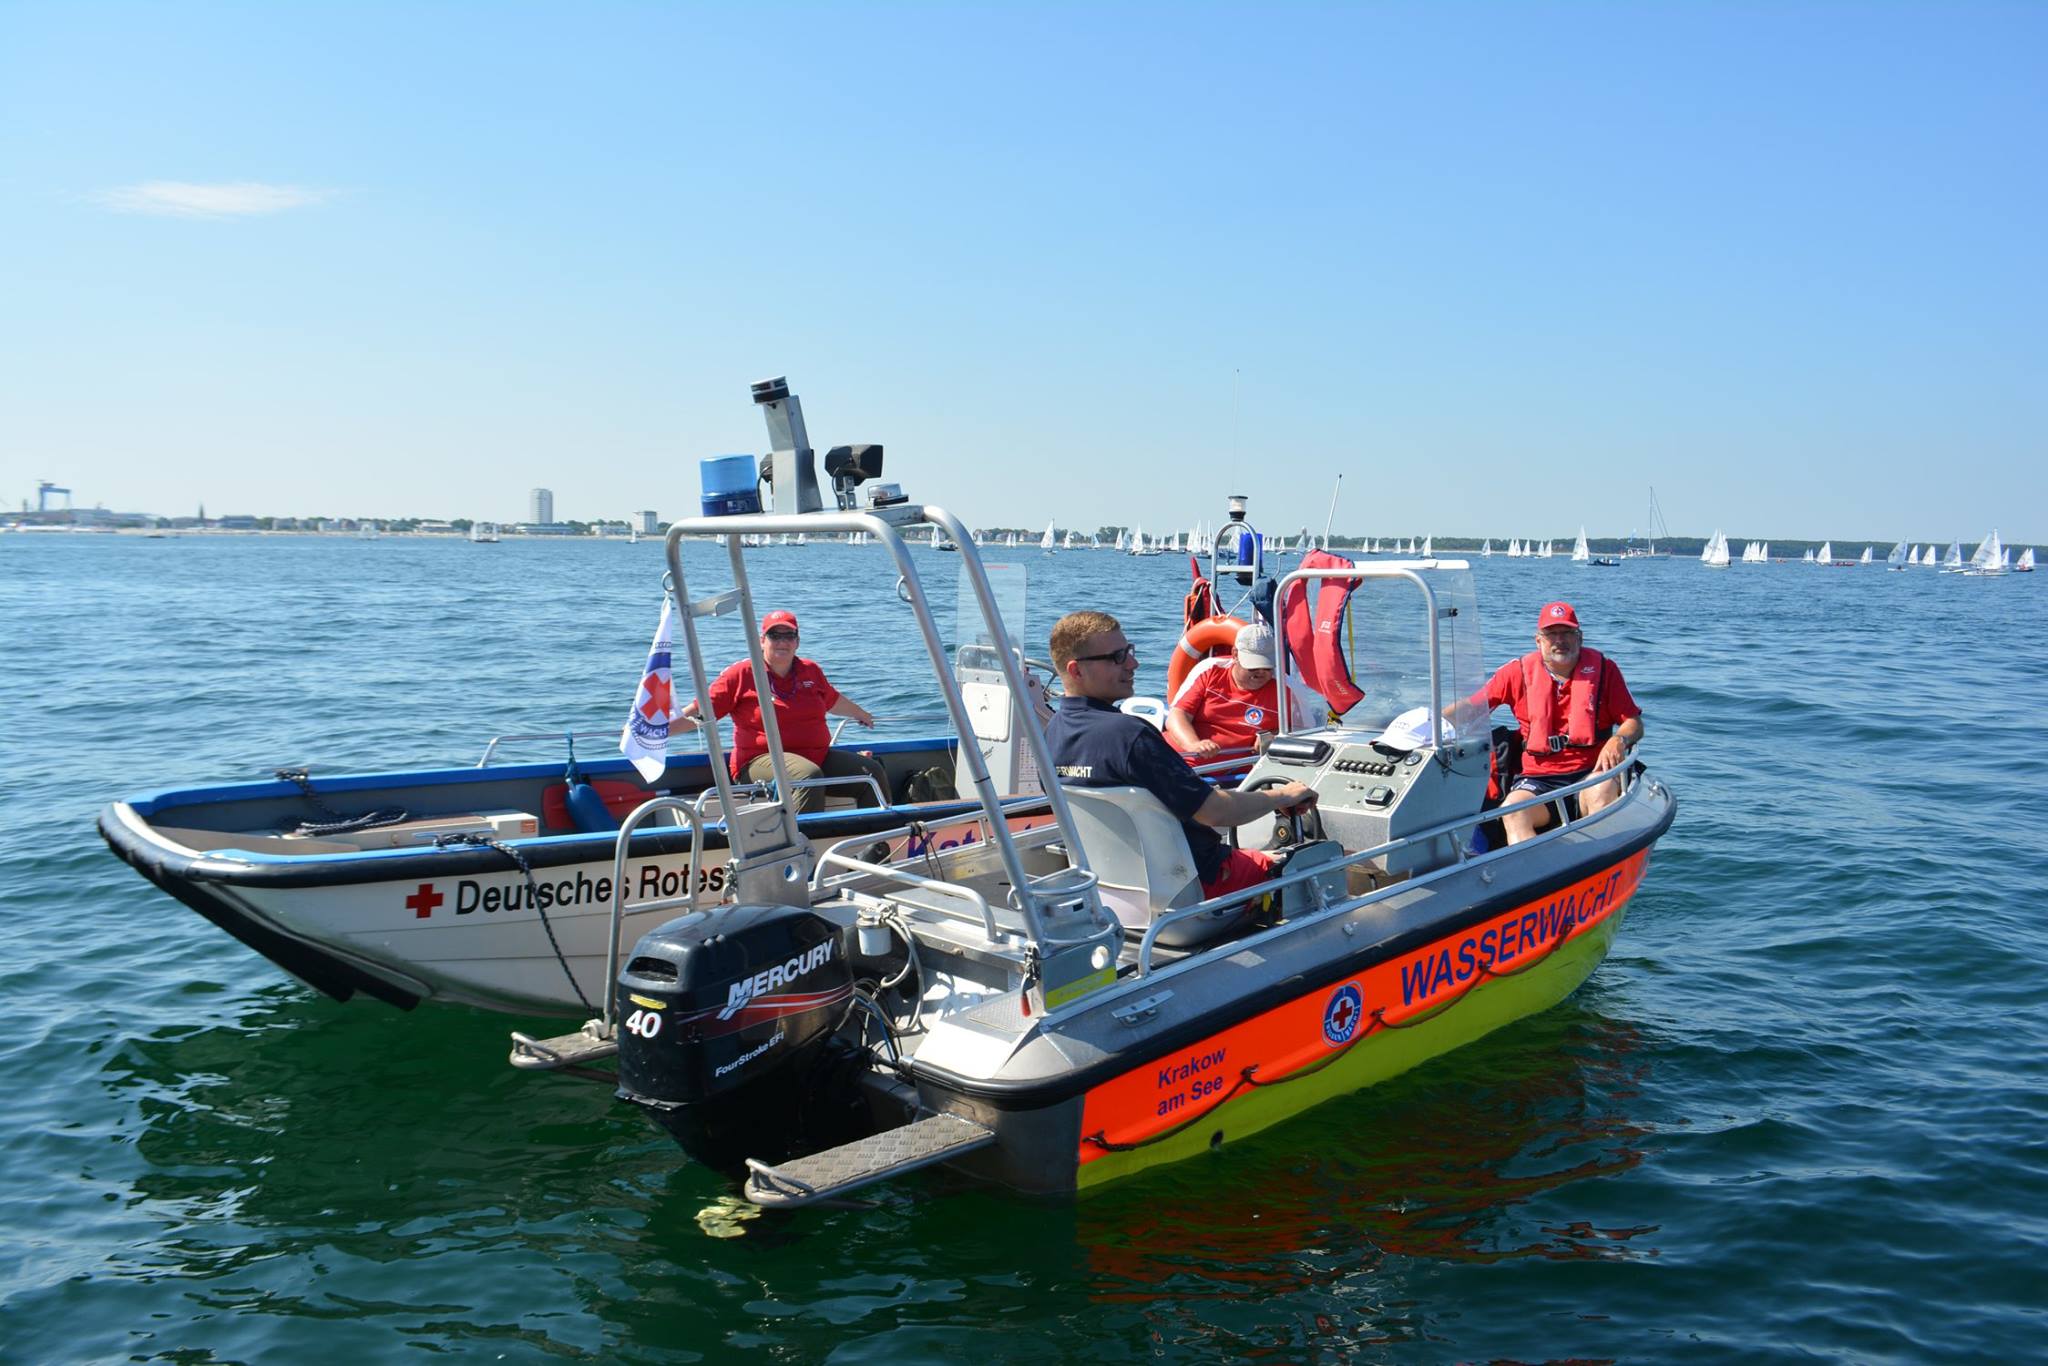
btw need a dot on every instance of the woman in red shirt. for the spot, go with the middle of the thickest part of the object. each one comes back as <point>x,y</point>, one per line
<point>804,697</point>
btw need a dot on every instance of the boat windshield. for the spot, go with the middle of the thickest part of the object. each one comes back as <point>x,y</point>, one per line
<point>1007,585</point>
<point>1387,639</point>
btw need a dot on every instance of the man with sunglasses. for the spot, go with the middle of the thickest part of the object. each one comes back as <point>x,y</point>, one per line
<point>1577,719</point>
<point>804,697</point>
<point>1095,745</point>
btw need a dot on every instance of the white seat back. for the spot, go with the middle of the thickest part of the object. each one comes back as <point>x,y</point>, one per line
<point>1136,848</point>
<point>1143,866</point>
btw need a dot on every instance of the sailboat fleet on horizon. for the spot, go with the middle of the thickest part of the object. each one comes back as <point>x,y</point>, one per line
<point>1993,558</point>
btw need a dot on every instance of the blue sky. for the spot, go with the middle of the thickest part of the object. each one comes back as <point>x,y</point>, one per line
<point>1504,266</point>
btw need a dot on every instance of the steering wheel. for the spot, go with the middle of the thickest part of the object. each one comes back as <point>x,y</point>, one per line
<point>1303,824</point>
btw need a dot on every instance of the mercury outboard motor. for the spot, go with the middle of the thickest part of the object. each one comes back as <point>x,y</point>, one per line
<point>726,1019</point>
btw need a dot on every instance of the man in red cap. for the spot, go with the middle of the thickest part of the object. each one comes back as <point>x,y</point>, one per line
<point>804,697</point>
<point>1576,715</point>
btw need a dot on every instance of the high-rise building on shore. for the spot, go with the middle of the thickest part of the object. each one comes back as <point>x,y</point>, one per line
<point>540,506</point>
<point>650,521</point>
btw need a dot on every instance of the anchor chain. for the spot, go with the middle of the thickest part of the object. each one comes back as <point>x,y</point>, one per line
<point>336,823</point>
<point>532,897</point>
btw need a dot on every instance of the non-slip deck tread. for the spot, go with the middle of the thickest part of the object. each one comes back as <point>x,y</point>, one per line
<point>566,1050</point>
<point>865,1161</point>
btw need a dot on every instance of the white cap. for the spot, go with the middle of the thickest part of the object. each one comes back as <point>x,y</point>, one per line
<point>1255,646</point>
<point>1410,730</point>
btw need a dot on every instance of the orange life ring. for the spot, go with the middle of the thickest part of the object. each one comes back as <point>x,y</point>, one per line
<point>1201,640</point>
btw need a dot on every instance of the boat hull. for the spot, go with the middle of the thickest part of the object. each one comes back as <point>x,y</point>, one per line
<point>455,924</point>
<point>1246,1041</point>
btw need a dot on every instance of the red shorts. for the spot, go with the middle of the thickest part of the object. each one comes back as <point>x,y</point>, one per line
<point>1243,868</point>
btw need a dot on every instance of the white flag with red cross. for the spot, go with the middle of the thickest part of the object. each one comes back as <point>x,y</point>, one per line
<point>645,738</point>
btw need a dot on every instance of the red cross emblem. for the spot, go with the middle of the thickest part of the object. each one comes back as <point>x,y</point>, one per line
<point>1342,1014</point>
<point>423,902</point>
<point>657,704</point>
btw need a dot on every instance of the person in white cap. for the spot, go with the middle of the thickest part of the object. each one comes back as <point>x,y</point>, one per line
<point>1229,705</point>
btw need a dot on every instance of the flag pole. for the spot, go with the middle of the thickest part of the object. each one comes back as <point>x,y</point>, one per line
<point>1332,518</point>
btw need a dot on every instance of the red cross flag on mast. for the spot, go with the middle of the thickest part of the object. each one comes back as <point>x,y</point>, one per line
<point>645,738</point>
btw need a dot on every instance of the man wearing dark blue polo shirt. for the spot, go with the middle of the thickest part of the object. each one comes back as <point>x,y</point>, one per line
<point>1095,745</point>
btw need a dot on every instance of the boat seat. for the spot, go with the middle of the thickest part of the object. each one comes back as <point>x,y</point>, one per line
<point>1143,865</point>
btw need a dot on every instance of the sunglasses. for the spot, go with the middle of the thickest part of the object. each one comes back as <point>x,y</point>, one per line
<point>1117,657</point>
<point>782,633</point>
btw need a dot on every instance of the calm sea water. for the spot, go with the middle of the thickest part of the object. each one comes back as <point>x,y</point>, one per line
<point>1799,1112</point>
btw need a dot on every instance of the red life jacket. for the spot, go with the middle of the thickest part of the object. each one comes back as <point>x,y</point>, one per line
<point>1317,644</point>
<point>1539,690</point>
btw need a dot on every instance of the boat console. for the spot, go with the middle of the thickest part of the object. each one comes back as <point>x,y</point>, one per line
<point>1369,793</point>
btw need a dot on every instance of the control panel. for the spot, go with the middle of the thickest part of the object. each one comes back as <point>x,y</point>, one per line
<point>1369,794</point>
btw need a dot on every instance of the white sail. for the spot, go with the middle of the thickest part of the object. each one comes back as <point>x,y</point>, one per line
<point>1046,542</point>
<point>1715,553</point>
<point>1897,559</point>
<point>1954,558</point>
<point>1989,553</point>
<point>1581,553</point>
<point>1826,553</point>
<point>2026,564</point>
<point>1864,558</point>
<point>1486,550</point>
<point>1428,547</point>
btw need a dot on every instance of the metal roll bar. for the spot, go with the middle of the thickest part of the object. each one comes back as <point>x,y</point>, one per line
<point>1362,572</point>
<point>492,747</point>
<point>911,588</point>
<point>688,806</point>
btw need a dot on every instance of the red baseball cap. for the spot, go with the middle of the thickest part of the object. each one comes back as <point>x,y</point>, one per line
<point>778,618</point>
<point>1557,614</point>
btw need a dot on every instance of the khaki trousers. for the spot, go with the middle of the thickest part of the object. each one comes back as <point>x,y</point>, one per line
<point>839,763</point>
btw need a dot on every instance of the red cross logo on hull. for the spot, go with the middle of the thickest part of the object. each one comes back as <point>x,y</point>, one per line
<point>423,902</point>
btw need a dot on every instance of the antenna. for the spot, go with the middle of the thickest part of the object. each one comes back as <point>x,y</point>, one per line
<point>1235,372</point>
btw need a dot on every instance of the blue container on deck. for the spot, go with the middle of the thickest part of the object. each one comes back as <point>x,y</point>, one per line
<point>731,485</point>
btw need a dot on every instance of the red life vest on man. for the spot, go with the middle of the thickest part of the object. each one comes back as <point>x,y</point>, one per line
<point>1539,691</point>
<point>1316,643</point>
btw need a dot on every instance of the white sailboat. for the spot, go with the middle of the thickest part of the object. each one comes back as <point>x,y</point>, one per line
<point>1952,563</point>
<point>1486,551</point>
<point>1928,560</point>
<point>1990,556</point>
<point>483,533</point>
<point>1714,554</point>
<point>1896,561</point>
<point>1826,553</point>
<point>1544,553</point>
<point>1046,542</point>
<point>1581,552</point>
<point>1864,558</point>
<point>2026,564</point>
<point>1429,547</point>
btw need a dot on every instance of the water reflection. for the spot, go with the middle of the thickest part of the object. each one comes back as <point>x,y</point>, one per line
<point>1344,1212</point>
